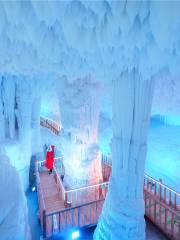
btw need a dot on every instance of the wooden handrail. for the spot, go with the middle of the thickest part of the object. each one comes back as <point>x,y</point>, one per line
<point>72,208</point>
<point>87,187</point>
<point>163,204</point>
<point>59,182</point>
<point>145,175</point>
<point>39,183</point>
<point>162,184</point>
<point>50,124</point>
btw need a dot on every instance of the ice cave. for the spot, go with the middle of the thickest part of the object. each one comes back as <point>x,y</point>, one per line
<point>90,119</point>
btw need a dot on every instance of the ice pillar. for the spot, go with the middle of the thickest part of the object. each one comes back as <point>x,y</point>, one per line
<point>80,107</point>
<point>23,112</point>
<point>35,124</point>
<point>2,120</point>
<point>123,211</point>
<point>8,100</point>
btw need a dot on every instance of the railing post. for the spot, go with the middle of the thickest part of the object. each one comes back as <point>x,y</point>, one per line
<point>170,198</point>
<point>65,200</point>
<point>172,225</point>
<point>165,226</point>
<point>79,214</point>
<point>165,195</point>
<point>160,189</point>
<point>155,210</point>
<point>160,214</point>
<point>100,191</point>
<point>175,200</point>
<point>155,190</point>
<point>44,223</point>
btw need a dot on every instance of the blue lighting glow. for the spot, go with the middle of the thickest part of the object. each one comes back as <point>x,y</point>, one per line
<point>45,108</point>
<point>75,235</point>
<point>167,119</point>
<point>173,120</point>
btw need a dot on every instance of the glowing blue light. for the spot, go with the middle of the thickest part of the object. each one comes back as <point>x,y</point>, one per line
<point>75,235</point>
<point>173,120</point>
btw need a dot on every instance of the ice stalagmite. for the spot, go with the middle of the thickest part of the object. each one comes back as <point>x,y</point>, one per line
<point>8,96</point>
<point>123,212</point>
<point>36,138</point>
<point>80,107</point>
<point>24,103</point>
<point>2,120</point>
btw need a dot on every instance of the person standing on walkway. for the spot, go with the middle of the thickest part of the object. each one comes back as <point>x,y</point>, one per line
<point>50,158</point>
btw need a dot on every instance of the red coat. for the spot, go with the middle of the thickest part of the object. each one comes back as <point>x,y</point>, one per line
<point>50,158</point>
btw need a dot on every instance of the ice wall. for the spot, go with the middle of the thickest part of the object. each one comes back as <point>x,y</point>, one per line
<point>20,101</point>
<point>13,210</point>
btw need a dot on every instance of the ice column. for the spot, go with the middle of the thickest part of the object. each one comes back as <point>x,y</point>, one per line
<point>35,124</point>
<point>8,99</point>
<point>2,120</point>
<point>123,211</point>
<point>24,106</point>
<point>13,210</point>
<point>23,113</point>
<point>80,107</point>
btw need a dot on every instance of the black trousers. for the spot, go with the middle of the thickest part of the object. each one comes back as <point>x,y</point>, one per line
<point>62,177</point>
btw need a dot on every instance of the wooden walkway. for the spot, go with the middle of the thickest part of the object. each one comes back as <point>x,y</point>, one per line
<point>60,209</point>
<point>53,126</point>
<point>52,196</point>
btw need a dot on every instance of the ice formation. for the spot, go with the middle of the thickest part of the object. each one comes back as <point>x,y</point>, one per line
<point>80,107</point>
<point>13,216</point>
<point>124,203</point>
<point>60,58</point>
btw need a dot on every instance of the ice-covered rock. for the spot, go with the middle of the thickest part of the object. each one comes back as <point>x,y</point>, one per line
<point>13,210</point>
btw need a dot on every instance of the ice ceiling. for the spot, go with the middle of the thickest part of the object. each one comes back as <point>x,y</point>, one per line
<point>45,40</point>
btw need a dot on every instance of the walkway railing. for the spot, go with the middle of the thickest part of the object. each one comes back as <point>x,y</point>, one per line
<point>162,203</point>
<point>50,124</point>
<point>40,166</point>
<point>83,215</point>
<point>41,203</point>
<point>166,194</point>
<point>87,193</point>
<point>60,185</point>
<point>154,187</point>
<point>93,192</point>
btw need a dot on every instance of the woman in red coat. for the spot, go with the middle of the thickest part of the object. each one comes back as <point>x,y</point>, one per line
<point>50,158</point>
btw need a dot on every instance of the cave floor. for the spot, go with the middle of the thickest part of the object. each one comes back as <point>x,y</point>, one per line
<point>152,233</point>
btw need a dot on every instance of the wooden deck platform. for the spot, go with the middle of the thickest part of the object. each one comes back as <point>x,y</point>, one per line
<point>60,209</point>
<point>52,196</point>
